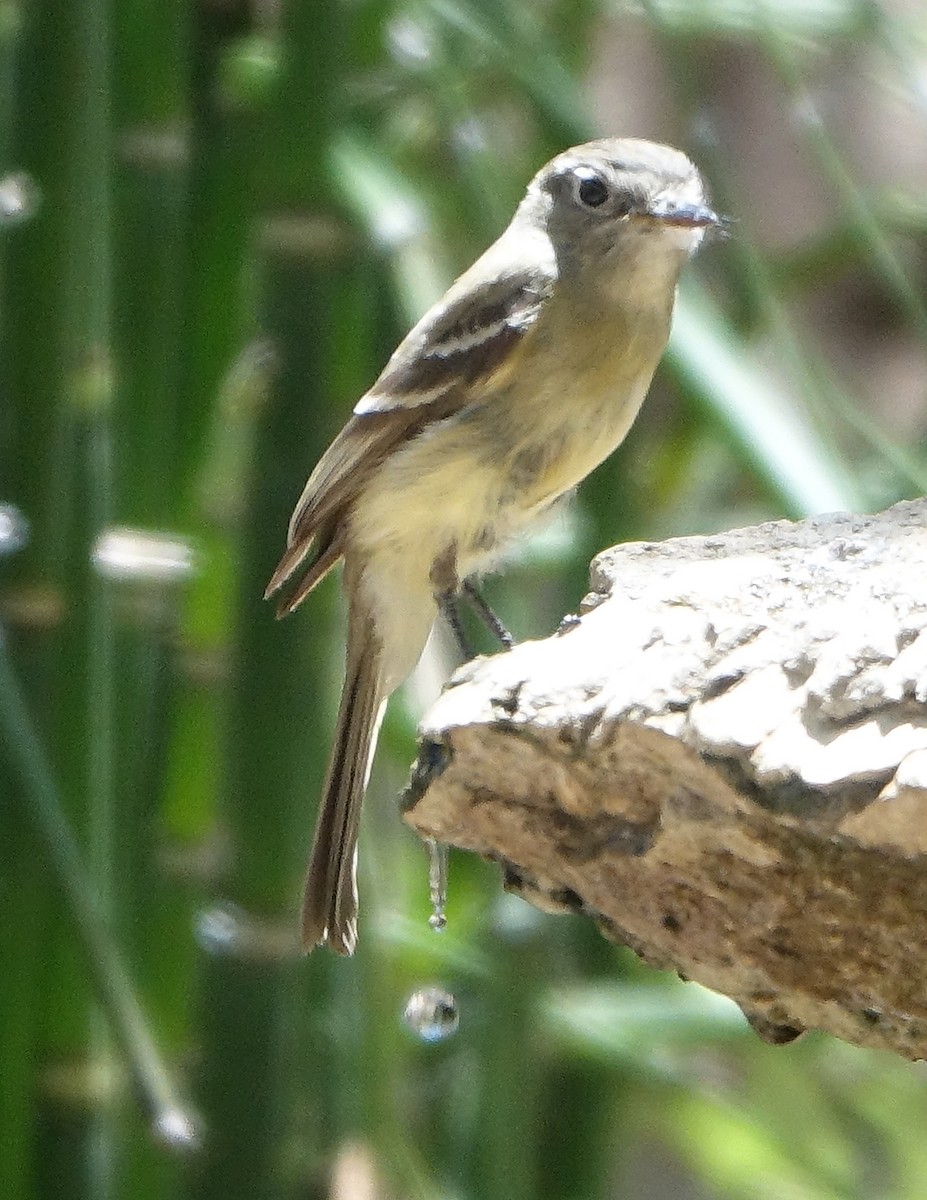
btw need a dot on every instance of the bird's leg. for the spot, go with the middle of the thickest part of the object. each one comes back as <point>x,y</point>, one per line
<point>486,614</point>
<point>446,589</point>
<point>449,604</point>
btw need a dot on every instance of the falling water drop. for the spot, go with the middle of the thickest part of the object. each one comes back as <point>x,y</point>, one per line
<point>431,1013</point>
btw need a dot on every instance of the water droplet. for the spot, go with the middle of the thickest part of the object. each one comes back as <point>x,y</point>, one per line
<point>177,1129</point>
<point>437,882</point>
<point>431,1013</point>
<point>19,198</point>
<point>14,529</point>
<point>124,554</point>
<point>219,930</point>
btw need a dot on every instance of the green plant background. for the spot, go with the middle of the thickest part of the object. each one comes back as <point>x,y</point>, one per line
<point>216,220</point>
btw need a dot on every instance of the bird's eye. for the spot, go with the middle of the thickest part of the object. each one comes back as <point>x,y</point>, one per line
<point>592,190</point>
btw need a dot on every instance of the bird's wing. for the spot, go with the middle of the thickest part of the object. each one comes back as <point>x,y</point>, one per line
<point>462,343</point>
<point>459,350</point>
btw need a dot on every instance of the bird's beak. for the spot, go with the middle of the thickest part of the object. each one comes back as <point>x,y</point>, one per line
<point>685,216</point>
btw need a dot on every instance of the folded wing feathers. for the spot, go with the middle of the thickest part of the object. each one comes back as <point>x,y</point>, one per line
<point>467,344</point>
<point>426,380</point>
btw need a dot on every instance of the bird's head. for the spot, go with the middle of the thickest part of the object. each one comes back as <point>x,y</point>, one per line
<point>621,206</point>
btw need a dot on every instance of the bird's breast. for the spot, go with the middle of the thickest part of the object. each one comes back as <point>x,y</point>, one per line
<point>470,482</point>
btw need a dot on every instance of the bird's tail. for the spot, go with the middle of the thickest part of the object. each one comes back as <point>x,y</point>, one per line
<point>329,913</point>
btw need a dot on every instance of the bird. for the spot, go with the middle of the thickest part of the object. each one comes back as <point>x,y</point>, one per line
<point>524,377</point>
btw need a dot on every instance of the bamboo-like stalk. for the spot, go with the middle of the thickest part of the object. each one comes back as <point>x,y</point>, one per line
<point>278,685</point>
<point>166,1106</point>
<point>21,889</point>
<point>66,253</point>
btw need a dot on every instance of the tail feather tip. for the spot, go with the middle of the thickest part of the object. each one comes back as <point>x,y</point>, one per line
<point>342,941</point>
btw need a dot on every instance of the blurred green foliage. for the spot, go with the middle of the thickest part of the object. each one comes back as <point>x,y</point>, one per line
<point>217,219</point>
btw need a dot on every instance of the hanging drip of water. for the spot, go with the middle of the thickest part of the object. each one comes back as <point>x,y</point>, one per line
<point>437,883</point>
